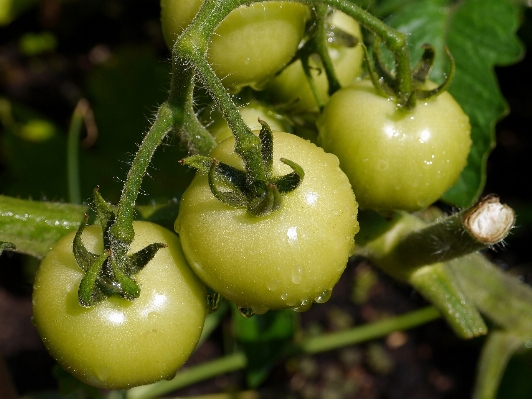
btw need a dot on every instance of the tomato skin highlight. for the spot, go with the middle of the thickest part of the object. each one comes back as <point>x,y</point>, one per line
<point>287,259</point>
<point>252,44</point>
<point>395,160</point>
<point>118,344</point>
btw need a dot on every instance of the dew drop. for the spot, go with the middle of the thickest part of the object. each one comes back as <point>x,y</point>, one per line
<point>259,309</point>
<point>323,297</point>
<point>303,306</point>
<point>273,284</point>
<point>297,275</point>
<point>352,249</point>
<point>103,373</point>
<point>245,312</point>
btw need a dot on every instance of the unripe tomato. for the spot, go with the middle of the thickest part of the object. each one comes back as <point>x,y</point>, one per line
<point>118,344</point>
<point>250,45</point>
<point>250,113</point>
<point>287,259</point>
<point>395,160</point>
<point>291,88</point>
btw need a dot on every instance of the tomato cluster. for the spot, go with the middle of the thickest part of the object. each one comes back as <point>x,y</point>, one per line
<point>386,158</point>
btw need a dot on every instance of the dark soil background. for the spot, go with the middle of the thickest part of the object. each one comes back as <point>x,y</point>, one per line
<point>427,362</point>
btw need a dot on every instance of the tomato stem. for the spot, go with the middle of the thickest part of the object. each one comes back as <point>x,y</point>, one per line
<point>167,117</point>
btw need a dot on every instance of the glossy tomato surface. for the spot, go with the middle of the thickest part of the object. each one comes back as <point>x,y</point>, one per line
<point>250,45</point>
<point>118,343</point>
<point>250,113</point>
<point>287,259</point>
<point>395,160</point>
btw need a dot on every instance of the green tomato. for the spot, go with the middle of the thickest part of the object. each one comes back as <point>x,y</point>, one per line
<point>291,87</point>
<point>395,160</point>
<point>118,344</point>
<point>252,44</point>
<point>250,113</point>
<point>287,259</point>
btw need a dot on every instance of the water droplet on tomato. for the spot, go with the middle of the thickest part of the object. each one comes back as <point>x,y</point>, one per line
<point>259,309</point>
<point>323,297</point>
<point>297,275</point>
<point>352,248</point>
<point>273,284</point>
<point>245,312</point>
<point>303,306</point>
<point>103,373</point>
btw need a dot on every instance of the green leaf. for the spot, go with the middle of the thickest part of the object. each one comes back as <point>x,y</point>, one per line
<point>11,9</point>
<point>264,339</point>
<point>480,35</point>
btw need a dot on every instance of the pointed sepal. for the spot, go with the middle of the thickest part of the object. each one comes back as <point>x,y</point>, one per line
<point>291,181</point>
<point>83,257</point>
<point>89,293</point>
<point>137,261</point>
<point>126,285</point>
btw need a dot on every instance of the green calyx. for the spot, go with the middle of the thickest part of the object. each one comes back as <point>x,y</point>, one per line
<point>321,34</point>
<point>388,84</point>
<point>112,272</point>
<point>238,189</point>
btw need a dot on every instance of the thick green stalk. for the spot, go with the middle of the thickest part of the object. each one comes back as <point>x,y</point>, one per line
<point>485,224</point>
<point>35,226</point>
<point>412,251</point>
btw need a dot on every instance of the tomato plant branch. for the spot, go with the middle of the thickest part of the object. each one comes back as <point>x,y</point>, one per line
<point>167,117</point>
<point>485,224</point>
<point>35,226</point>
<point>321,343</point>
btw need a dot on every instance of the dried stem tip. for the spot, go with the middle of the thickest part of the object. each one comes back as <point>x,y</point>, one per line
<point>489,221</point>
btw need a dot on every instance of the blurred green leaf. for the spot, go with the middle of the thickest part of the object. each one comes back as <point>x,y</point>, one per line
<point>264,338</point>
<point>33,149</point>
<point>10,9</point>
<point>480,35</point>
<point>37,43</point>
<point>124,94</point>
